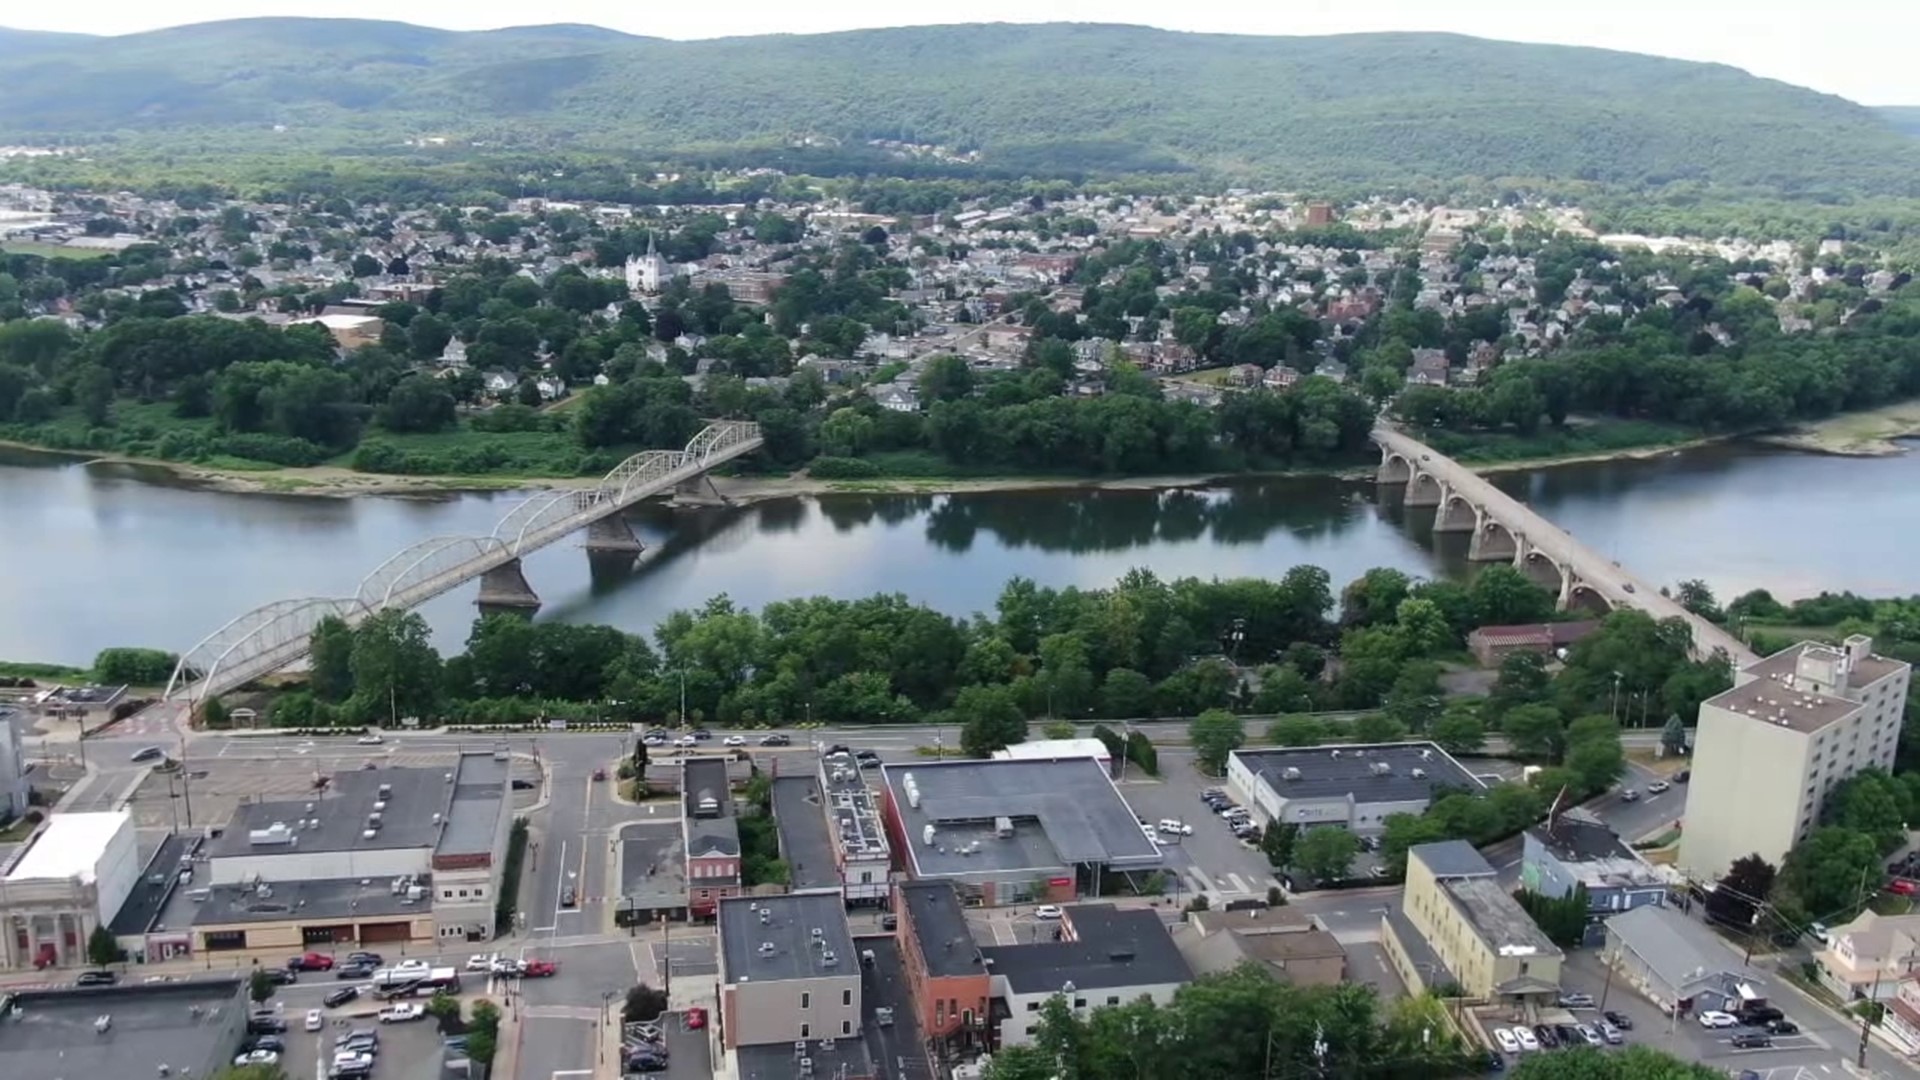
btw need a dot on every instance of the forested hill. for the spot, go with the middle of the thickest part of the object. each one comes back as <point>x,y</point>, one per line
<point>1903,117</point>
<point>1402,110</point>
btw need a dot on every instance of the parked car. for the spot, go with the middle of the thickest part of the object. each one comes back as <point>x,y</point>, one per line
<point>268,1042</point>
<point>1576,1001</point>
<point>1526,1038</point>
<point>360,1037</point>
<point>266,1023</point>
<point>1783,1027</point>
<point>1760,1015</point>
<point>373,958</point>
<point>1902,887</point>
<point>315,1020</point>
<point>400,1014</point>
<point>1549,1040</point>
<point>776,739</point>
<point>1819,932</point>
<point>646,1063</point>
<point>481,961</point>
<point>568,897</point>
<point>96,978</point>
<point>312,961</point>
<point>1751,1040</point>
<point>1588,1035</point>
<point>1619,1020</point>
<point>340,997</point>
<point>256,1057</point>
<point>1683,776</point>
<point>1177,828</point>
<point>696,1018</point>
<point>371,738</point>
<point>889,922</point>
<point>1611,1033</point>
<point>282,976</point>
<point>1047,911</point>
<point>1714,1018</point>
<point>357,970</point>
<point>1506,1040</point>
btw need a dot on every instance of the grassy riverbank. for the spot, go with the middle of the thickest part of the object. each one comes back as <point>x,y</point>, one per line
<point>1868,433</point>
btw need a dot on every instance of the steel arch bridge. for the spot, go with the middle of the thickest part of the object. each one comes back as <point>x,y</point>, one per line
<point>271,637</point>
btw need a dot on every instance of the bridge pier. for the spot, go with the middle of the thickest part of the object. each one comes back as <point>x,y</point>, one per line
<point>1424,489</point>
<point>1394,469</point>
<point>698,491</point>
<point>504,589</point>
<point>1456,513</point>
<point>613,534</point>
<point>1491,542</point>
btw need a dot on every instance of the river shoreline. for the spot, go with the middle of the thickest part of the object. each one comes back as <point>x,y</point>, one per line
<point>333,482</point>
<point>1868,433</point>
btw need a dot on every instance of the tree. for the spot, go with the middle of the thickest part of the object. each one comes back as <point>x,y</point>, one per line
<point>417,403</point>
<point>93,392</point>
<point>1297,731</point>
<point>945,378</point>
<point>1278,842</point>
<point>1459,730</point>
<point>103,948</point>
<point>1422,628</point>
<point>1126,694</point>
<point>1832,870</point>
<point>260,985</point>
<point>213,713</point>
<point>1058,729</point>
<point>1673,736</point>
<point>990,720</point>
<point>1533,731</point>
<point>1870,802</point>
<point>1324,854</point>
<point>1215,734</point>
<point>1503,596</point>
<point>1523,680</point>
<point>1696,596</point>
<point>330,660</point>
<point>396,671</point>
<point>644,1004</point>
<point>1631,1063</point>
<point>1747,884</point>
<point>1594,753</point>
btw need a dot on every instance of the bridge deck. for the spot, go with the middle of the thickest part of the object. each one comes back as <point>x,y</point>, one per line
<point>1621,587</point>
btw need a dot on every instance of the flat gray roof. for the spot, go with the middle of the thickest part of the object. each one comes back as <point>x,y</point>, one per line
<point>777,1061</point>
<point>653,865</point>
<point>1113,947</point>
<point>1452,859</point>
<point>940,928</point>
<point>315,898</point>
<point>144,904</point>
<point>480,796</point>
<point>1065,811</point>
<point>717,834</point>
<point>1378,772</point>
<point>800,816</point>
<point>1502,923</point>
<point>791,920</point>
<point>855,813</point>
<point>49,1034</point>
<point>337,820</point>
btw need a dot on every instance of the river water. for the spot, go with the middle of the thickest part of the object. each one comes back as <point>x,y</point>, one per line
<point>99,555</point>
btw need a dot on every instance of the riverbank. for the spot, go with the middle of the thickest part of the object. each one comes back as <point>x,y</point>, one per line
<point>1869,433</point>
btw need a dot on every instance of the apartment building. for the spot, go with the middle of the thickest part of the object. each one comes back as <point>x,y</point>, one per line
<point>1105,956</point>
<point>946,972</point>
<point>790,986</point>
<point>1457,924</point>
<point>1767,751</point>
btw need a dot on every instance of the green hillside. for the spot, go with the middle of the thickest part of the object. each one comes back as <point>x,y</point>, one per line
<point>1404,109</point>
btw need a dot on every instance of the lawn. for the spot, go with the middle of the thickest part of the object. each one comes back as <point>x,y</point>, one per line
<point>50,251</point>
<point>1575,440</point>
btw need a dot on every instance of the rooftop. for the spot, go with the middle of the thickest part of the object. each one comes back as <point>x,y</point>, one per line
<point>1778,703</point>
<point>1681,952</point>
<point>794,936</point>
<point>1108,947</point>
<point>1502,924</point>
<point>708,798</point>
<point>1381,772</point>
<point>480,796</point>
<point>800,815</point>
<point>70,846</point>
<point>653,865</point>
<point>1777,690</point>
<point>1055,748</point>
<point>143,905</point>
<point>411,804</point>
<point>317,898</point>
<point>829,1058</point>
<point>1061,812</point>
<point>50,1034</point>
<point>855,814</point>
<point>1451,859</point>
<point>1592,852</point>
<point>940,928</point>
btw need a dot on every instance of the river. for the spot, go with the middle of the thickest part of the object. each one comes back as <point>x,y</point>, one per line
<point>100,555</point>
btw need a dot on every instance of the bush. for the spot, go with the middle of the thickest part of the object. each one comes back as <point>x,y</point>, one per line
<point>842,468</point>
<point>277,449</point>
<point>141,667</point>
<point>644,1004</point>
<point>510,418</point>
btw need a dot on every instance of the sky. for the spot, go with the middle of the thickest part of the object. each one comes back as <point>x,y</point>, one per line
<point>1858,50</point>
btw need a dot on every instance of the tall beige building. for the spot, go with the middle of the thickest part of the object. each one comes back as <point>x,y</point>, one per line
<point>1767,751</point>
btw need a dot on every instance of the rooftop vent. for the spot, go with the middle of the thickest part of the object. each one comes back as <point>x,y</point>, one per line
<point>1336,753</point>
<point>828,959</point>
<point>369,834</point>
<point>386,790</point>
<point>1290,773</point>
<point>766,948</point>
<point>1419,774</point>
<point>276,833</point>
<point>765,916</point>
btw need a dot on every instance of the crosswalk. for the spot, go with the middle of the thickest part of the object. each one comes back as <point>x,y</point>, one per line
<point>1227,884</point>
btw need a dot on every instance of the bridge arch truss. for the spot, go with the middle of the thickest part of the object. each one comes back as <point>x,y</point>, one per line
<point>236,652</point>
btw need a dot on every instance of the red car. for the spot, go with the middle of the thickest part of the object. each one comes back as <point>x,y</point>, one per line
<point>313,961</point>
<point>540,969</point>
<point>696,1019</point>
<point>1902,887</point>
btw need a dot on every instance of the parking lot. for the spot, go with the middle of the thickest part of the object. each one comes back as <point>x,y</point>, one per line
<point>409,1051</point>
<point>1212,860</point>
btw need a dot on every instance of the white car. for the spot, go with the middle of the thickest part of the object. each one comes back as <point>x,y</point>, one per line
<point>1714,1018</point>
<point>1819,932</point>
<point>734,740</point>
<point>316,1020</point>
<point>482,962</point>
<point>506,966</point>
<point>256,1057</point>
<point>371,738</point>
<point>1657,787</point>
<point>349,1061</point>
<point>413,965</point>
<point>1506,1040</point>
<point>1047,911</point>
<point>400,1014</point>
<point>686,740</point>
<point>1169,825</point>
<point>1526,1039</point>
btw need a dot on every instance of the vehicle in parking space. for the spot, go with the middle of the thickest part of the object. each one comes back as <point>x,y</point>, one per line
<point>1714,1018</point>
<point>352,1061</point>
<point>1658,787</point>
<point>315,1020</point>
<point>568,897</point>
<point>1619,1019</point>
<point>96,978</point>
<point>268,1042</point>
<point>776,739</point>
<point>266,1022</point>
<point>1902,887</point>
<point>1611,1033</point>
<point>1047,911</point>
<point>1819,932</point>
<point>355,971</point>
<point>1683,776</point>
<point>696,1018</point>
<point>147,753</point>
<point>400,1014</point>
<point>1568,1034</point>
<point>340,997</point>
<point>889,921</point>
<point>1178,828</point>
<point>312,961</point>
<point>1782,1027</point>
<point>364,958</point>
<point>1758,1015</point>
<point>358,1035</point>
<point>539,969</point>
<point>1526,1038</point>
<point>1751,1040</point>
<point>1576,1001</point>
<point>1548,1039</point>
<point>256,1057</point>
<point>1588,1035</point>
<point>1506,1040</point>
<point>523,784</point>
<point>646,1063</point>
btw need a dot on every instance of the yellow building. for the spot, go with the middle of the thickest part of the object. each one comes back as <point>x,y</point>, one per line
<point>1457,925</point>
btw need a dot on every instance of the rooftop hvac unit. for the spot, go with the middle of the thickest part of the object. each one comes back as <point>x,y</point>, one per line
<point>826,1046</point>
<point>1426,755</point>
<point>799,1048</point>
<point>436,819</point>
<point>386,790</point>
<point>1419,774</point>
<point>369,834</point>
<point>806,1066</point>
<point>1290,773</point>
<point>1381,768</point>
<point>913,796</point>
<point>1003,827</point>
<point>828,958</point>
<point>766,948</point>
<point>926,835</point>
<point>1336,753</point>
<point>817,933</point>
<point>766,916</point>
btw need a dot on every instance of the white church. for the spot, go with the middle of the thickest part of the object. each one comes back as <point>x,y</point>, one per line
<point>648,273</point>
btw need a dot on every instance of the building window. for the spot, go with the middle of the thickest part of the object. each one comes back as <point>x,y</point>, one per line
<point>1113,999</point>
<point>806,1031</point>
<point>1033,1006</point>
<point>1079,1003</point>
<point>846,1027</point>
<point>846,997</point>
<point>806,999</point>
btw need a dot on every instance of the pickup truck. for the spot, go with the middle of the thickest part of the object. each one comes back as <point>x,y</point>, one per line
<point>400,1014</point>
